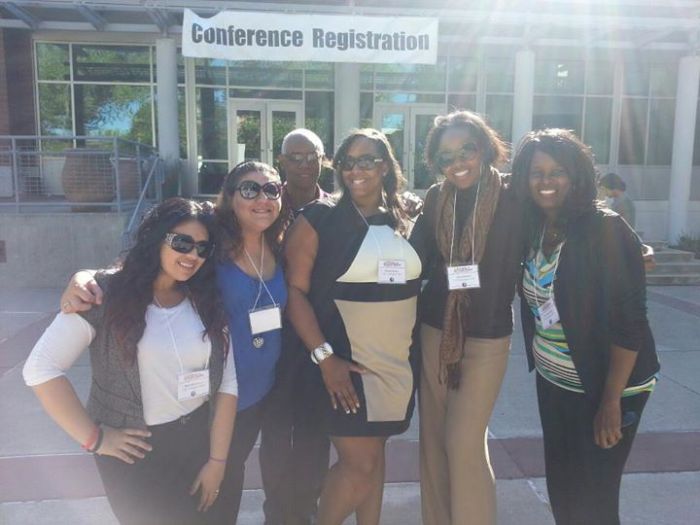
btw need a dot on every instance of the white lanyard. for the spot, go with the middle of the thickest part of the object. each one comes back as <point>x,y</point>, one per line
<point>454,219</point>
<point>261,284</point>
<point>172,337</point>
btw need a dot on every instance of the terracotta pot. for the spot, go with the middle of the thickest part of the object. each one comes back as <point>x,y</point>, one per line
<point>89,176</point>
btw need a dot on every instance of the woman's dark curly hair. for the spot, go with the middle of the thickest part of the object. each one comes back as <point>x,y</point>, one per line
<point>230,234</point>
<point>574,157</point>
<point>392,183</point>
<point>130,290</point>
<point>494,151</point>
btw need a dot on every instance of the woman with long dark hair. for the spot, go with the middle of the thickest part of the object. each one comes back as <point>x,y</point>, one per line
<point>159,354</point>
<point>353,286</point>
<point>583,298</point>
<point>251,282</point>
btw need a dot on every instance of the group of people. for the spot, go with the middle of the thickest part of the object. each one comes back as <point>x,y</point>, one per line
<point>311,319</point>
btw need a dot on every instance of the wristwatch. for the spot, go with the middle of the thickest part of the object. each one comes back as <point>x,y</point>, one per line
<point>322,352</point>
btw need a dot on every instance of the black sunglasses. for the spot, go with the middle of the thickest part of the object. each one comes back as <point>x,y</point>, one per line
<point>364,163</point>
<point>182,243</point>
<point>467,152</point>
<point>249,189</point>
<point>299,158</point>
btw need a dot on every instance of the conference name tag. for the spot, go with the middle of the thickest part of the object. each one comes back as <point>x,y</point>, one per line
<point>265,319</point>
<point>463,277</point>
<point>192,385</point>
<point>391,271</point>
<point>548,313</point>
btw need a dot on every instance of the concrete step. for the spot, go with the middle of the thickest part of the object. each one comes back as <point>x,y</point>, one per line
<point>668,255</point>
<point>657,245</point>
<point>681,268</point>
<point>673,279</point>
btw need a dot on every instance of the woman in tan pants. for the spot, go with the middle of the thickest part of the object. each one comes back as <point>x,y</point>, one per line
<point>470,225</point>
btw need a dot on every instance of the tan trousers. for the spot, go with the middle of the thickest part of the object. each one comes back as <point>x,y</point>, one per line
<point>456,479</point>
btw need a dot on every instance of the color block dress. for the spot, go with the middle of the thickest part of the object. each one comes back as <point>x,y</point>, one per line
<point>364,321</point>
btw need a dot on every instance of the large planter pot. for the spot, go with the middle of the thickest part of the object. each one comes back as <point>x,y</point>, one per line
<point>89,175</point>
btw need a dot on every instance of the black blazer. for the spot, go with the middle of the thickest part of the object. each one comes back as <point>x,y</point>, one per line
<point>600,293</point>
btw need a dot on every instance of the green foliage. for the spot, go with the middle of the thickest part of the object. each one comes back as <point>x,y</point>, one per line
<point>689,242</point>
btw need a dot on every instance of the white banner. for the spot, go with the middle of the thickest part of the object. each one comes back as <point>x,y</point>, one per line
<point>236,35</point>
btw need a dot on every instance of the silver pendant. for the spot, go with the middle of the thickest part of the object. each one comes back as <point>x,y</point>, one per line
<point>258,342</point>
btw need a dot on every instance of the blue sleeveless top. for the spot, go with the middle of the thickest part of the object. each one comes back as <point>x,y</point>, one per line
<point>255,367</point>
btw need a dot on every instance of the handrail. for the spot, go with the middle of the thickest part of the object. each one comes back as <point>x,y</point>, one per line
<point>156,170</point>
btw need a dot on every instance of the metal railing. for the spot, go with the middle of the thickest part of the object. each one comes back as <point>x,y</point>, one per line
<point>42,174</point>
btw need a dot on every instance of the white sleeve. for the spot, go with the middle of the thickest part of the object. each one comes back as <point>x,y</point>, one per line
<point>229,383</point>
<point>58,348</point>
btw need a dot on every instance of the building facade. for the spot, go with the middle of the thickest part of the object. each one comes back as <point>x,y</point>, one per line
<point>624,74</point>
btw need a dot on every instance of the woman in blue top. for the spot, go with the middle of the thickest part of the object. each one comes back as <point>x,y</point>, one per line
<point>254,293</point>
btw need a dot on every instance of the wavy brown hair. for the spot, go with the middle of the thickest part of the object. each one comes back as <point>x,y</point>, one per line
<point>130,289</point>
<point>574,157</point>
<point>392,183</point>
<point>230,234</point>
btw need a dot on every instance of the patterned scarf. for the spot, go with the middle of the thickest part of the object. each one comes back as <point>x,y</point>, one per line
<point>452,345</point>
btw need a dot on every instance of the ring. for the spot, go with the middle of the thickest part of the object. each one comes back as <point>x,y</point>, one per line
<point>216,491</point>
<point>66,305</point>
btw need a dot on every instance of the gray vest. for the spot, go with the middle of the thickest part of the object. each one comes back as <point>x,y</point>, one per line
<point>115,393</point>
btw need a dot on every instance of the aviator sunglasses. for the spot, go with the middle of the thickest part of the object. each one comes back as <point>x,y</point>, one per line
<point>364,163</point>
<point>447,158</point>
<point>249,190</point>
<point>182,243</point>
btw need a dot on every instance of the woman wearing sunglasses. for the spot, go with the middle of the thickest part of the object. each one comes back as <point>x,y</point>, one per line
<point>583,300</point>
<point>469,231</point>
<point>159,356</point>
<point>353,286</point>
<point>255,294</point>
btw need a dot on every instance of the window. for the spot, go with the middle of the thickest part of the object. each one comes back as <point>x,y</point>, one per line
<point>92,90</point>
<point>576,95</point>
<point>648,112</point>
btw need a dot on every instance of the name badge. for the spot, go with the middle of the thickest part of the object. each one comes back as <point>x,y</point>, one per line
<point>548,313</point>
<point>192,385</point>
<point>391,271</point>
<point>265,319</point>
<point>463,277</point>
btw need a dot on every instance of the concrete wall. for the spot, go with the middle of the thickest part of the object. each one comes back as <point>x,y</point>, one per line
<point>44,250</point>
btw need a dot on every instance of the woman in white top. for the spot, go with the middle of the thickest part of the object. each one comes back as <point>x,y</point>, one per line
<point>159,351</point>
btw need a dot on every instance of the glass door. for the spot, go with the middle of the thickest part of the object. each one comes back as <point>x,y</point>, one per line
<point>258,127</point>
<point>406,127</point>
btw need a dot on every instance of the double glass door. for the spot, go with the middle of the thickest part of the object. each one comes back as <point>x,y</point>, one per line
<point>258,127</point>
<point>406,127</point>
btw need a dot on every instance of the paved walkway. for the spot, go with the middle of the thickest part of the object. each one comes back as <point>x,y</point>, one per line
<point>46,479</point>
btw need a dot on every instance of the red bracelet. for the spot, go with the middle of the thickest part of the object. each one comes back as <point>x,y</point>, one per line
<point>212,458</point>
<point>90,443</point>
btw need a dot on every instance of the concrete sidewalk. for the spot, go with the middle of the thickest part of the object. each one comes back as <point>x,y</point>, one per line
<point>45,479</point>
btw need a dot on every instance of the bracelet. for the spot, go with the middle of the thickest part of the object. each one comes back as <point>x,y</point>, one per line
<point>98,443</point>
<point>212,458</point>
<point>90,443</point>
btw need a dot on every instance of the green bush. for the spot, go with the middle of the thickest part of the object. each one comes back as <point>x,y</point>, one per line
<point>690,243</point>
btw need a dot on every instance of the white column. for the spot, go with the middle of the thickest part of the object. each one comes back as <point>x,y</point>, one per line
<point>523,96</point>
<point>166,85</point>
<point>683,141</point>
<point>347,100</point>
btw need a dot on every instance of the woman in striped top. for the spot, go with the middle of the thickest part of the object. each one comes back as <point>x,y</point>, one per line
<point>584,316</point>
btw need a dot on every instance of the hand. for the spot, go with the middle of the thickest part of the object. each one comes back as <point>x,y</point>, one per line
<point>413,204</point>
<point>648,256</point>
<point>209,480</point>
<point>607,431</point>
<point>336,376</point>
<point>81,293</point>
<point>124,443</point>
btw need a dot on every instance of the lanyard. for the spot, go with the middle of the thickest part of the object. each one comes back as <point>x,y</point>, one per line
<point>261,283</point>
<point>172,338</point>
<point>454,219</point>
<point>538,259</point>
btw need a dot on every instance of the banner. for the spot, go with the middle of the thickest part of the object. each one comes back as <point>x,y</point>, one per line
<point>237,35</point>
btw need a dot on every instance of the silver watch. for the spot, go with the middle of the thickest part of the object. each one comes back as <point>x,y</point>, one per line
<point>322,352</point>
